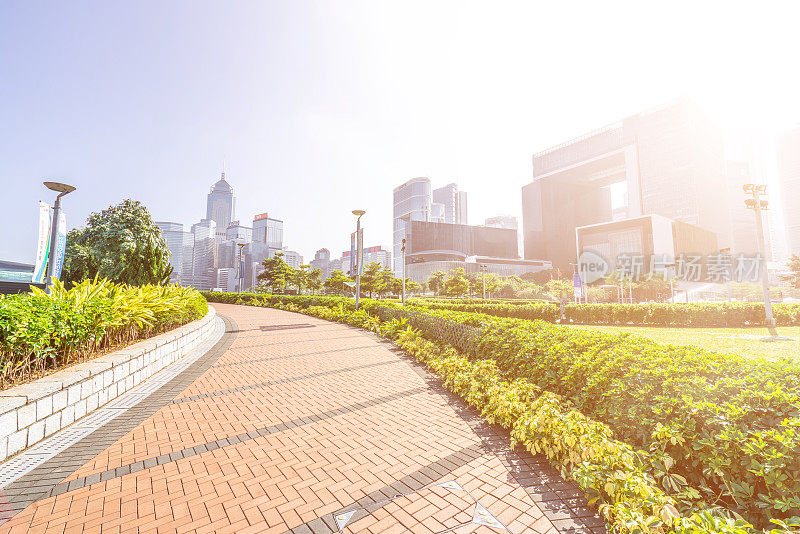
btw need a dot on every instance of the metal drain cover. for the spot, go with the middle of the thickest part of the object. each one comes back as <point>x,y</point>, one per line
<point>434,509</point>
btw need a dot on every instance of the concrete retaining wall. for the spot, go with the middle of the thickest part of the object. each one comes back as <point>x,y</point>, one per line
<point>33,411</point>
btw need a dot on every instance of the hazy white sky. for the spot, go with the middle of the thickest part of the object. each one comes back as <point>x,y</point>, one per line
<point>321,107</point>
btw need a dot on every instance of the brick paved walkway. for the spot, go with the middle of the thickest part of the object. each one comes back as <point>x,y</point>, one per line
<point>295,424</point>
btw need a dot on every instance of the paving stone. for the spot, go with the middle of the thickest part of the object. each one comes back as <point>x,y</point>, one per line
<point>287,421</point>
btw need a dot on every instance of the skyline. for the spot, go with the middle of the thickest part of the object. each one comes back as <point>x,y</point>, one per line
<point>149,107</point>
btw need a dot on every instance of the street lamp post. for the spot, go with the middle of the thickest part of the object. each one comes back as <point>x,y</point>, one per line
<point>403,250</point>
<point>359,214</point>
<point>757,204</point>
<point>62,189</point>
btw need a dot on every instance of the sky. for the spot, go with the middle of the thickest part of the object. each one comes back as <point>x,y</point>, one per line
<point>319,108</point>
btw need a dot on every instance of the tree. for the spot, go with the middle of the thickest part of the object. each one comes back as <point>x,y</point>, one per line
<point>386,282</point>
<point>300,278</point>
<point>794,272</point>
<point>121,243</point>
<point>456,285</point>
<point>560,289</point>
<point>314,280</point>
<point>436,281</point>
<point>370,278</point>
<point>277,274</point>
<point>339,283</point>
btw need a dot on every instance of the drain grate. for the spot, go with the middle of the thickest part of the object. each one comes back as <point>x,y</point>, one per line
<point>436,509</point>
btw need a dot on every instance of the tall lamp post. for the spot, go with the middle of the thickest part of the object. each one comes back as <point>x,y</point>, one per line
<point>62,189</point>
<point>359,214</point>
<point>403,250</point>
<point>757,204</point>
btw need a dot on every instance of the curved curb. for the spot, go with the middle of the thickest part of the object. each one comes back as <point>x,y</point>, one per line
<point>30,413</point>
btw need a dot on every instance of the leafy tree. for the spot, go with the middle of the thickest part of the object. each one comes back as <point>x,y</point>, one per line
<point>370,278</point>
<point>456,285</point>
<point>277,273</point>
<point>436,281</point>
<point>560,289</point>
<point>121,243</point>
<point>794,272</point>
<point>300,278</point>
<point>314,280</point>
<point>386,282</point>
<point>339,283</point>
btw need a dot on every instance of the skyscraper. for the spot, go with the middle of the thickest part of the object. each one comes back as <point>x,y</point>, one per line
<point>220,206</point>
<point>668,161</point>
<point>413,201</point>
<point>204,255</point>
<point>789,169</point>
<point>454,202</point>
<point>180,246</point>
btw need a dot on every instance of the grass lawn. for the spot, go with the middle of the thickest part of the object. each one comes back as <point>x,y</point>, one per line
<point>745,341</point>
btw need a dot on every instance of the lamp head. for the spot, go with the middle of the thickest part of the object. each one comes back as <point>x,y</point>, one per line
<point>359,212</point>
<point>58,186</point>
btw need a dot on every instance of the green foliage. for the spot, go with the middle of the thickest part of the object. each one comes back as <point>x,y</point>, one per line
<point>662,438</point>
<point>339,283</point>
<point>711,314</point>
<point>277,275</point>
<point>794,272</point>
<point>436,281</point>
<point>456,284</point>
<point>39,331</point>
<point>121,244</point>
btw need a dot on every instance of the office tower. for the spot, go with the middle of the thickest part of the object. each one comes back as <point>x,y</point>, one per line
<point>220,206</point>
<point>743,223</point>
<point>268,231</point>
<point>412,201</point>
<point>789,172</point>
<point>292,258</point>
<point>454,202</point>
<point>432,247</point>
<point>204,255</point>
<point>181,245</point>
<point>322,261</point>
<point>502,221</point>
<point>668,161</point>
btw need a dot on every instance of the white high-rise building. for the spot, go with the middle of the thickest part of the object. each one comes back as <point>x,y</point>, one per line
<point>413,201</point>
<point>220,206</point>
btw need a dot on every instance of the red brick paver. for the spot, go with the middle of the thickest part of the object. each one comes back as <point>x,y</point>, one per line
<point>337,420</point>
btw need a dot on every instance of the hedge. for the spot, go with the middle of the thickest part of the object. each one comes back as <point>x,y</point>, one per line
<point>39,331</point>
<point>712,314</point>
<point>711,431</point>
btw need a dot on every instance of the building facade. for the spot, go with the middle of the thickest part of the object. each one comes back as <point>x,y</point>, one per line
<point>668,161</point>
<point>454,203</point>
<point>502,221</point>
<point>220,206</point>
<point>204,256</point>
<point>649,243</point>
<point>292,258</point>
<point>789,171</point>
<point>322,261</point>
<point>371,255</point>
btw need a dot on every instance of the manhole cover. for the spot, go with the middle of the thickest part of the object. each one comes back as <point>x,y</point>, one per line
<point>435,509</point>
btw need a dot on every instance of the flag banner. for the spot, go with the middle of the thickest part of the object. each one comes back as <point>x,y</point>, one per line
<point>61,244</point>
<point>353,257</point>
<point>360,249</point>
<point>43,248</point>
<point>577,284</point>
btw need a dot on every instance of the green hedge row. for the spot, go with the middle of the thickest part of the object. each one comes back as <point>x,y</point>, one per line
<point>39,331</point>
<point>531,310</point>
<point>713,314</point>
<point>530,382</point>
